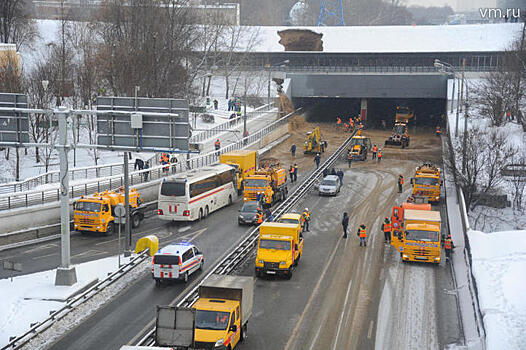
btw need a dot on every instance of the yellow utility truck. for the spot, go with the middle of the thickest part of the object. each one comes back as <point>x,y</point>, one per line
<point>360,146</point>
<point>271,180</point>
<point>426,183</point>
<point>313,142</point>
<point>244,161</point>
<point>400,135</point>
<point>280,248</point>
<point>217,320</point>
<point>416,234</point>
<point>292,218</point>
<point>96,213</point>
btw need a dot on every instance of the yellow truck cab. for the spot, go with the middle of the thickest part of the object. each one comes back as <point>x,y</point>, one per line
<point>280,248</point>
<point>271,180</point>
<point>421,239</point>
<point>292,218</point>
<point>244,161</point>
<point>95,213</point>
<point>426,183</point>
<point>217,320</point>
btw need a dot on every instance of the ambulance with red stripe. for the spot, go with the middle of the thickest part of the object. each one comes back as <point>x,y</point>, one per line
<point>195,194</point>
<point>176,261</point>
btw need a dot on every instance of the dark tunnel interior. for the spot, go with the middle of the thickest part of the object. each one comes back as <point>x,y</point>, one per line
<point>427,111</point>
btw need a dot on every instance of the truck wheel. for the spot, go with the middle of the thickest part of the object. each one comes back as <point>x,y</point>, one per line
<point>185,277</point>
<point>206,211</point>
<point>288,276</point>
<point>109,229</point>
<point>200,214</point>
<point>136,220</point>
<point>243,332</point>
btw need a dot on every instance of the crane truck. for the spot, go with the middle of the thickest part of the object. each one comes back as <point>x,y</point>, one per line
<point>400,135</point>
<point>96,212</point>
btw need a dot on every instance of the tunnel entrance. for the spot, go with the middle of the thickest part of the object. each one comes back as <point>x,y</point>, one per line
<point>428,111</point>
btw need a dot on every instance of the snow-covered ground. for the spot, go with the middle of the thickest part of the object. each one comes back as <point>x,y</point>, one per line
<point>30,298</point>
<point>499,262</point>
<point>498,256</point>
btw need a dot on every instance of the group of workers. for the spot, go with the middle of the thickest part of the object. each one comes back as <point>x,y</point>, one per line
<point>349,126</point>
<point>168,162</point>
<point>293,173</point>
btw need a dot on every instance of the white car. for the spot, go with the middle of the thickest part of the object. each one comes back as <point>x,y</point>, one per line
<point>176,261</point>
<point>330,186</point>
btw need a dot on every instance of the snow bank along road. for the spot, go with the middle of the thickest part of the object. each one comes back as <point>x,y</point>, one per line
<point>343,296</point>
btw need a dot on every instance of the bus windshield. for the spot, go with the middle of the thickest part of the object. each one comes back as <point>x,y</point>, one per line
<point>271,244</point>
<point>215,320</point>
<point>418,235</point>
<point>255,183</point>
<point>174,189</point>
<point>428,181</point>
<point>88,206</point>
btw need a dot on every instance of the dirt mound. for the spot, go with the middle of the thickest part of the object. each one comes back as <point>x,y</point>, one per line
<point>301,40</point>
<point>297,122</point>
<point>285,104</point>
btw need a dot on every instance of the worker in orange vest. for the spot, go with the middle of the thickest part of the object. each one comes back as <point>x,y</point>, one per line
<point>338,122</point>
<point>351,124</point>
<point>345,127</point>
<point>386,228</point>
<point>362,233</point>
<point>217,144</point>
<point>379,155</point>
<point>448,245</point>
<point>375,150</point>
<point>259,216</point>
<point>438,131</point>
<point>400,183</point>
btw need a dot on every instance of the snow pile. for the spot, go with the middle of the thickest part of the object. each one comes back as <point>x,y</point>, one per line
<point>30,298</point>
<point>499,262</point>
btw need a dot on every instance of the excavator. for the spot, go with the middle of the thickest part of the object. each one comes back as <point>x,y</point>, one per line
<point>400,136</point>
<point>313,142</point>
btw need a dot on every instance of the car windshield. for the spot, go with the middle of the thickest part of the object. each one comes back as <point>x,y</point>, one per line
<point>328,183</point>
<point>88,206</point>
<point>249,207</point>
<point>428,181</point>
<point>288,221</point>
<point>418,235</point>
<point>215,320</point>
<point>174,189</point>
<point>272,244</point>
<point>255,183</point>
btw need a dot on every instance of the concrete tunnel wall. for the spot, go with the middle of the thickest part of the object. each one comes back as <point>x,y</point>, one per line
<point>368,85</point>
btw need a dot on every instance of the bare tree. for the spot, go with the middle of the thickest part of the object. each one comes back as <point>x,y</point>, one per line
<point>494,96</point>
<point>16,25</point>
<point>11,80</point>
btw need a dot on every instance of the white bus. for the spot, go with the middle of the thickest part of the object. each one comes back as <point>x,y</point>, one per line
<point>195,194</point>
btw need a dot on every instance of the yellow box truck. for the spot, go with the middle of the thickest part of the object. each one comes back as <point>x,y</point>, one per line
<point>426,183</point>
<point>280,248</point>
<point>245,163</point>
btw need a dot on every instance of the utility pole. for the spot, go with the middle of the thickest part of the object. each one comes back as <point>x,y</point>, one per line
<point>464,141</point>
<point>127,227</point>
<point>268,90</point>
<point>518,113</point>
<point>462,85</point>
<point>453,93</point>
<point>66,274</point>
<point>458,110</point>
<point>245,110</point>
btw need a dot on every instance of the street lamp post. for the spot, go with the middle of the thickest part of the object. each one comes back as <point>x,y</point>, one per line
<point>448,67</point>
<point>269,66</point>
<point>464,141</point>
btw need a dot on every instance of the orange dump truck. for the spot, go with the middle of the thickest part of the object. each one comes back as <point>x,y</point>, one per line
<point>270,180</point>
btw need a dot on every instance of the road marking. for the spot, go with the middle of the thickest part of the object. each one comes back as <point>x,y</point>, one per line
<point>344,310</point>
<point>316,336</point>
<point>183,229</point>
<point>89,252</point>
<point>111,240</point>
<point>45,246</point>
<point>311,299</point>
<point>370,331</point>
<point>44,256</point>
<point>195,234</point>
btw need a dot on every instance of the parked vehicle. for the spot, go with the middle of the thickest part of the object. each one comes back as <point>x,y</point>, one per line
<point>245,163</point>
<point>329,186</point>
<point>247,213</point>
<point>176,261</point>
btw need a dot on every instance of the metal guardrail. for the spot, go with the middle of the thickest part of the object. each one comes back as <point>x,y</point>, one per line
<point>205,135</point>
<point>243,249</point>
<point>35,197</point>
<point>363,69</point>
<point>73,303</point>
<point>112,169</point>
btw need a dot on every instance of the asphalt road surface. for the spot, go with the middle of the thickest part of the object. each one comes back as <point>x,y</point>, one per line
<point>343,296</point>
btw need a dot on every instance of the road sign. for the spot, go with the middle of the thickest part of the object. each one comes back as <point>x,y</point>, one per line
<point>164,123</point>
<point>14,126</point>
<point>120,214</point>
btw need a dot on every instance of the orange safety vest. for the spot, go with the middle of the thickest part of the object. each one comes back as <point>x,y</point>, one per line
<point>338,121</point>
<point>447,244</point>
<point>306,216</point>
<point>401,180</point>
<point>387,227</point>
<point>375,149</point>
<point>291,170</point>
<point>217,143</point>
<point>379,154</point>
<point>363,233</point>
<point>259,218</point>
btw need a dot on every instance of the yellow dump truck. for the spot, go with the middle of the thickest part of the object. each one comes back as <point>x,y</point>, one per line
<point>95,213</point>
<point>313,142</point>
<point>280,248</point>
<point>360,146</point>
<point>217,320</point>
<point>419,236</point>
<point>400,135</point>
<point>244,161</point>
<point>426,183</point>
<point>270,180</point>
